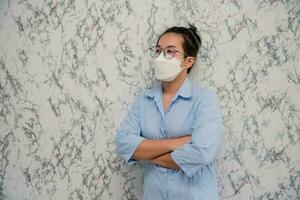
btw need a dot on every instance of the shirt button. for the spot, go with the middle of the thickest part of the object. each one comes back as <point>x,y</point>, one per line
<point>162,127</point>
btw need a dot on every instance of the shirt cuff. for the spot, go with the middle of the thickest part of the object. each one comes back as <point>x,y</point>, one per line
<point>179,159</point>
<point>134,140</point>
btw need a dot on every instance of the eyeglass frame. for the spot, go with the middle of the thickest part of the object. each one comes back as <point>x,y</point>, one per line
<point>164,52</point>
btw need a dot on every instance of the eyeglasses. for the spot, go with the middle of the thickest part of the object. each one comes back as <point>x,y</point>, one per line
<point>168,52</point>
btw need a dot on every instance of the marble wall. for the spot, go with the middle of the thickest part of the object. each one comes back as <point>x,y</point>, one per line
<point>69,70</point>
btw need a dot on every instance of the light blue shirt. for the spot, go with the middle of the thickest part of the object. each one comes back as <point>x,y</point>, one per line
<point>193,111</point>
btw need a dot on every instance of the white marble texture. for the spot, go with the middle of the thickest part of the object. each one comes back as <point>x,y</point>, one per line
<point>69,70</point>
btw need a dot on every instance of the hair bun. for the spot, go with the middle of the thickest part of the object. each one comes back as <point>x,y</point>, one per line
<point>194,32</point>
<point>193,28</point>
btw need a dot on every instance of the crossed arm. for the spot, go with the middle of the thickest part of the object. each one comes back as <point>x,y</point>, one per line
<point>159,151</point>
<point>207,136</point>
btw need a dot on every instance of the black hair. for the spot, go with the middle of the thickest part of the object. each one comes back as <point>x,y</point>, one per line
<point>191,40</point>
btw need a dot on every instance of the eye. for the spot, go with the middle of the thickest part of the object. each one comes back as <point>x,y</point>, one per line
<point>170,51</point>
<point>157,50</point>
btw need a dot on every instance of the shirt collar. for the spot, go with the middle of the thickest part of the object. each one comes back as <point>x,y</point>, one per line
<point>184,91</point>
<point>155,92</point>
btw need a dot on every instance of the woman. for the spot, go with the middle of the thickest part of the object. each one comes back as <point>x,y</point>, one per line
<point>176,127</point>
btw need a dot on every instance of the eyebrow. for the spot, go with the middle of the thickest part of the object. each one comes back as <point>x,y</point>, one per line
<point>168,46</point>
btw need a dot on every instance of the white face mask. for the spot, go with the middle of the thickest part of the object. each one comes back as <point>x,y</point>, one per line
<point>166,69</point>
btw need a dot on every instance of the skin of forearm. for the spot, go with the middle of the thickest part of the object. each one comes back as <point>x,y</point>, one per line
<point>150,149</point>
<point>166,161</point>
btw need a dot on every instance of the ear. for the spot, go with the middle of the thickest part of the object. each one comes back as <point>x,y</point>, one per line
<point>189,61</point>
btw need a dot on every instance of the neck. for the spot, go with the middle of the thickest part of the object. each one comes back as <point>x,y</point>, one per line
<point>170,88</point>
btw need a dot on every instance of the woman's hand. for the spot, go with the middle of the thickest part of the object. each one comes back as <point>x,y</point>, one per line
<point>178,142</point>
<point>150,149</point>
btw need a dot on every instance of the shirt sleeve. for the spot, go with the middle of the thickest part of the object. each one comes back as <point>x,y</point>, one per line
<point>128,135</point>
<point>206,137</point>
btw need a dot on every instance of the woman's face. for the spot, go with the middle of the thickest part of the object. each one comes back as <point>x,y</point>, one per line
<point>176,40</point>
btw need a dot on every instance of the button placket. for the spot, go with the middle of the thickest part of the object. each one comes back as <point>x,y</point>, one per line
<point>162,128</point>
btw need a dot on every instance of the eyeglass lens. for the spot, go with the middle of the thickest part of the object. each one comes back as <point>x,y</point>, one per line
<point>168,52</point>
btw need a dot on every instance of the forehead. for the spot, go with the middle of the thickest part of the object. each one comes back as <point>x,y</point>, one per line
<point>171,39</point>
